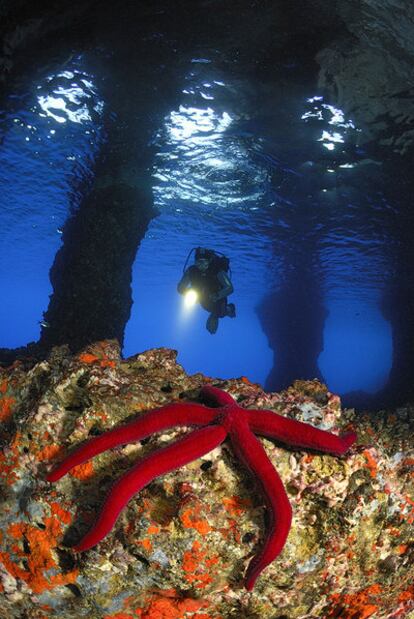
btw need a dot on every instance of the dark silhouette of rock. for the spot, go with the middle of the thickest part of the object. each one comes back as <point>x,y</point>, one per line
<point>293,320</point>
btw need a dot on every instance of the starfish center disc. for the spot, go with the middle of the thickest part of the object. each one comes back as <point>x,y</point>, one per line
<point>230,416</point>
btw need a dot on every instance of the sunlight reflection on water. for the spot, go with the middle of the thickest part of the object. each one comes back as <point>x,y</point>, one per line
<point>200,161</point>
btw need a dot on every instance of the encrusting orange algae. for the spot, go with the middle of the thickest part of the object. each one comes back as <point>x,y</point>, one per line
<point>6,407</point>
<point>371,463</point>
<point>165,604</point>
<point>361,604</point>
<point>190,519</point>
<point>7,399</point>
<point>235,505</point>
<point>171,606</point>
<point>99,356</point>
<point>194,562</point>
<point>48,452</point>
<point>83,471</point>
<point>38,558</point>
<point>9,461</point>
<point>27,549</point>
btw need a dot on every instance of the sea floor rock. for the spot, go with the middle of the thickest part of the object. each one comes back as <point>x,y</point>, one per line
<point>180,548</point>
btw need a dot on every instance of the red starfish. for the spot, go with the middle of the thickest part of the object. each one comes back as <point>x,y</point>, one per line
<point>226,419</point>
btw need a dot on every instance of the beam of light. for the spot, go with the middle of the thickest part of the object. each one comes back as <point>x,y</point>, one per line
<point>190,298</point>
<point>187,314</point>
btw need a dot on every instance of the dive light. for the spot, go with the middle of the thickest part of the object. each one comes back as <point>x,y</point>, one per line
<point>190,298</point>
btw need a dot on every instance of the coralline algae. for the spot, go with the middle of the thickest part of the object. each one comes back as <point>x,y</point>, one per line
<point>180,545</point>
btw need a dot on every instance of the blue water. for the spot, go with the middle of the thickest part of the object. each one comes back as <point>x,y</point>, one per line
<point>280,188</point>
<point>48,144</point>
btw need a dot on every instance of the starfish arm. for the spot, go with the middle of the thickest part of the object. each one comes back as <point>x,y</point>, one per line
<point>177,414</point>
<point>299,434</point>
<point>251,452</point>
<point>187,449</point>
<point>217,396</point>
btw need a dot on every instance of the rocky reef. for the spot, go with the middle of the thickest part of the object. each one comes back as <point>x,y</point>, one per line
<point>181,546</point>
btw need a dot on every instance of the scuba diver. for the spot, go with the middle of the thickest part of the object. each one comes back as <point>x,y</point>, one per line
<point>208,277</point>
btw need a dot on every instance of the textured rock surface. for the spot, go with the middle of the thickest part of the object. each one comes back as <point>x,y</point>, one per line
<point>365,47</point>
<point>23,23</point>
<point>180,547</point>
<point>369,69</point>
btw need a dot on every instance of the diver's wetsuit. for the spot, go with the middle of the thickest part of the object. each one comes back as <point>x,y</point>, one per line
<point>208,284</point>
<point>213,281</point>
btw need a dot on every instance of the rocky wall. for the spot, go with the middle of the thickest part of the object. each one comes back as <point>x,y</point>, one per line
<point>181,546</point>
<point>368,70</point>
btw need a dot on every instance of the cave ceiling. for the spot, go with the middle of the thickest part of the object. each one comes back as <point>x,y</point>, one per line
<point>362,50</point>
